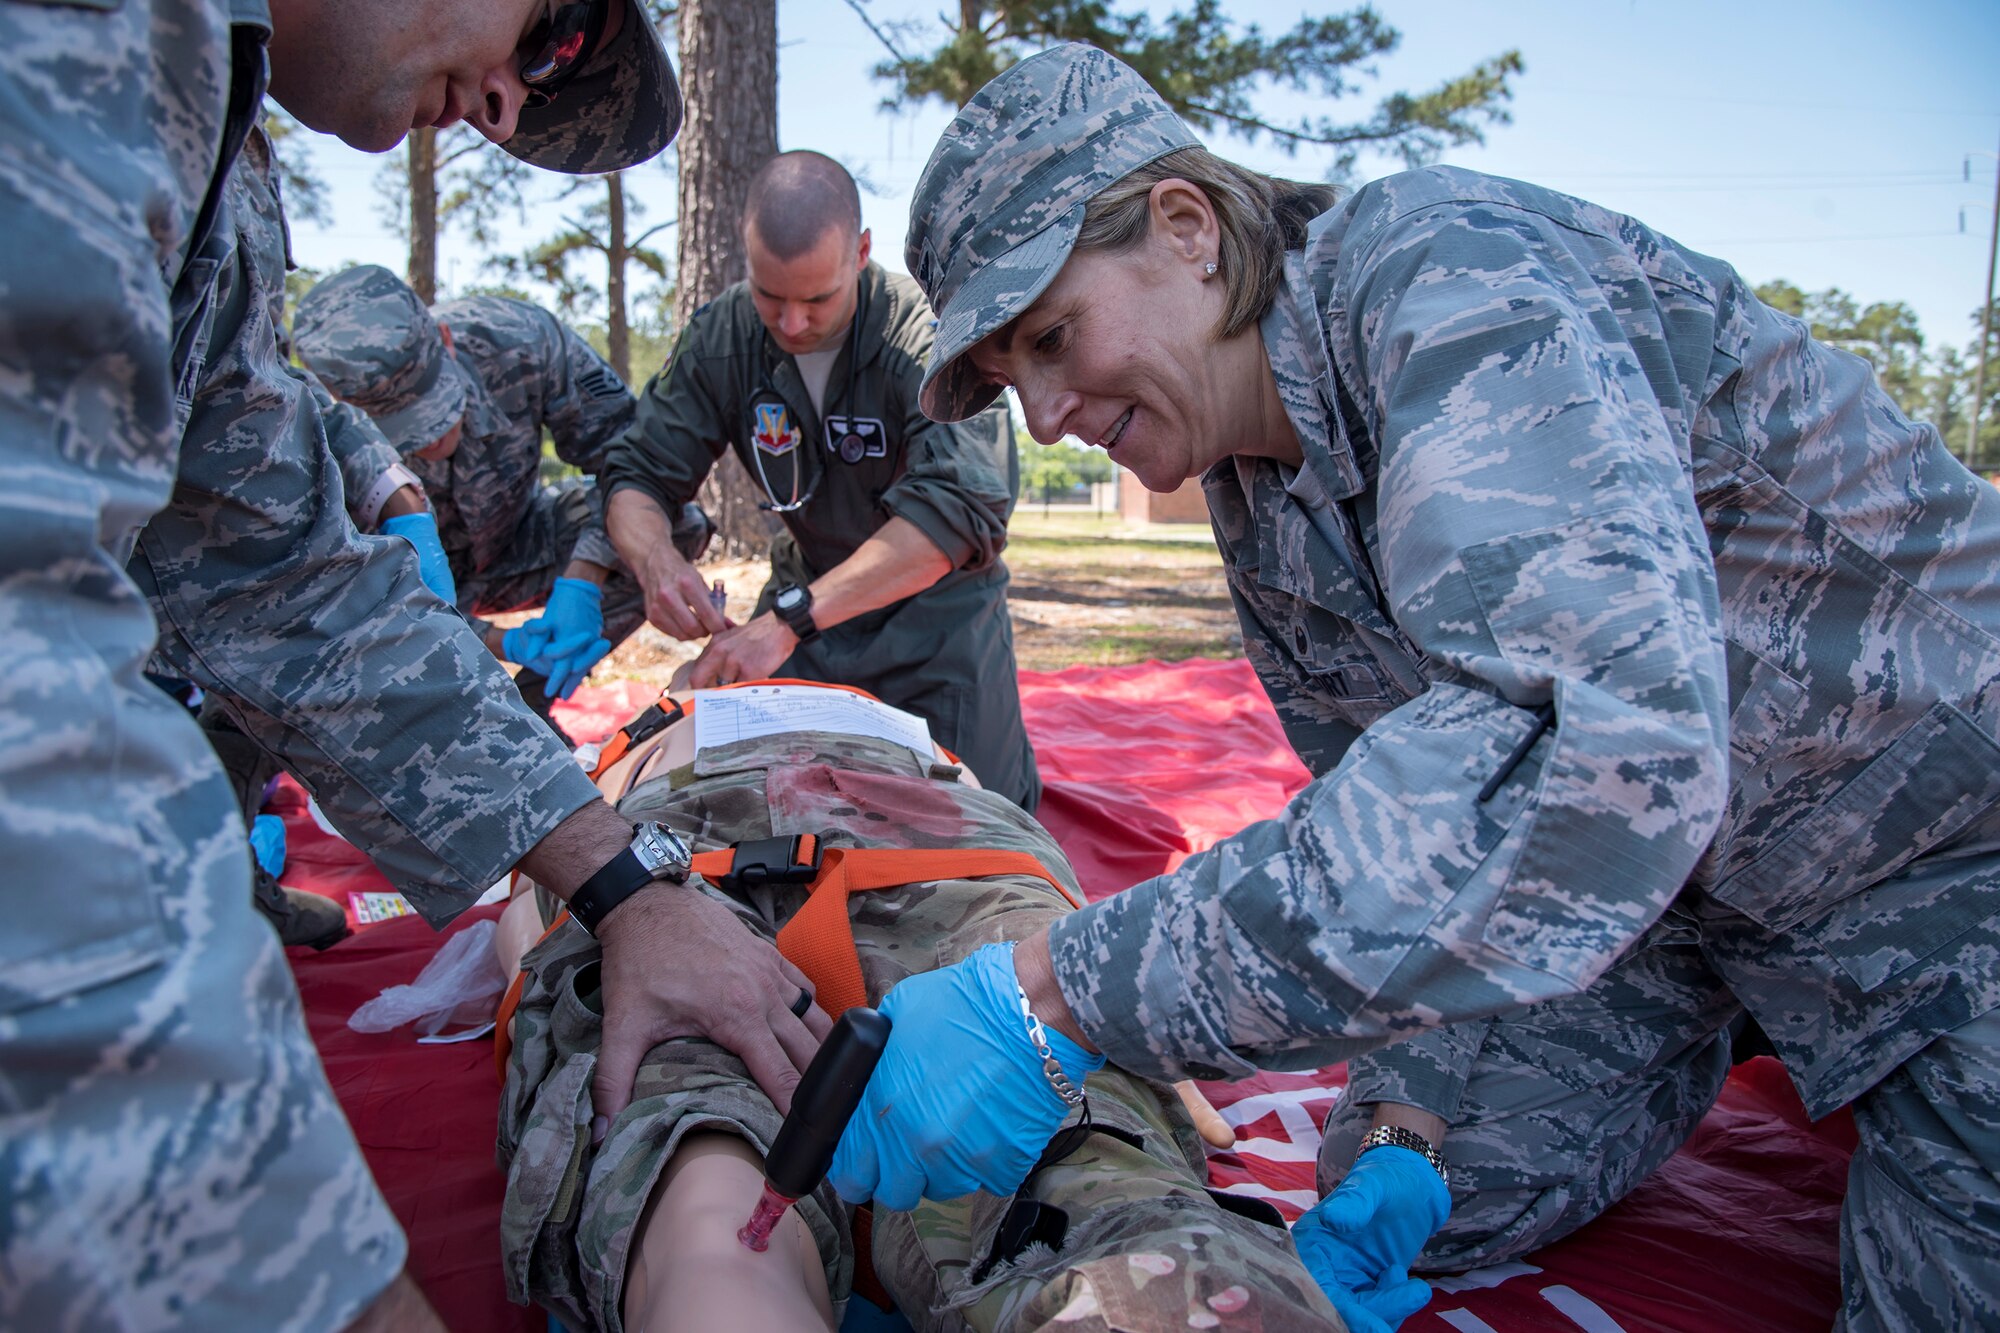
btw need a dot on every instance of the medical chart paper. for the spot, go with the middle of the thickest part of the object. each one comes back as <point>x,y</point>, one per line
<point>725,716</point>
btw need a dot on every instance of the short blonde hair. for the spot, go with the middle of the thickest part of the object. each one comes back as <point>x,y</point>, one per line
<point>1261,217</point>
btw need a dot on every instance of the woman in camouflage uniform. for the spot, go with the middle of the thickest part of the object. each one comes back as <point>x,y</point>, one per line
<point>1646,656</point>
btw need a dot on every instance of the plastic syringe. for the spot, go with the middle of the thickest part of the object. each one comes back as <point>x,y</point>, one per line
<point>821,1107</point>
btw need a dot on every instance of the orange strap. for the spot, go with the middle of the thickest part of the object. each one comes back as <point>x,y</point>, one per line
<point>654,719</point>
<point>503,1017</point>
<point>819,939</point>
<point>611,752</point>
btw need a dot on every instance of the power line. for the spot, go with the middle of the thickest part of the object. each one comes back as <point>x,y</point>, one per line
<point>1842,185</point>
<point>1821,240</point>
<point>1749,175</point>
<point>1869,108</point>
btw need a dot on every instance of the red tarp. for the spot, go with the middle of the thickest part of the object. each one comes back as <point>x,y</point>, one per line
<point>1142,765</point>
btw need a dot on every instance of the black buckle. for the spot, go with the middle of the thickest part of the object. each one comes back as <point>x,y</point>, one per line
<point>770,861</point>
<point>652,722</point>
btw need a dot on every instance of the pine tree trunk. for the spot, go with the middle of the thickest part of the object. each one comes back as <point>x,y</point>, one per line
<point>617,334</point>
<point>729,77</point>
<point>423,213</point>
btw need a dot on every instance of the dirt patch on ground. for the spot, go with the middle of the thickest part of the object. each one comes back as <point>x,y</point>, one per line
<point>1086,590</point>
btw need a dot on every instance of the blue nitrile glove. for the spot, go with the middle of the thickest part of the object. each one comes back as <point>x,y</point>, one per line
<point>267,843</point>
<point>566,640</point>
<point>959,1101</point>
<point>527,644</point>
<point>421,531</point>
<point>1359,1241</point>
<point>575,617</point>
<point>570,672</point>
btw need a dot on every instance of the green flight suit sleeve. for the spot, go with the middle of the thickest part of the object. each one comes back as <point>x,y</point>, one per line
<point>957,487</point>
<point>326,648</point>
<point>958,482</point>
<point>679,429</point>
<point>1539,543</point>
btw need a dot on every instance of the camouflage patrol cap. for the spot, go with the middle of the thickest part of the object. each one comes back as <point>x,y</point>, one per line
<point>372,343</point>
<point>1001,201</point>
<point>622,108</point>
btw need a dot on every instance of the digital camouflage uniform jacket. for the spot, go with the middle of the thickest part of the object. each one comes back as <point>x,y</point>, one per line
<point>170,1153</point>
<point>525,370</point>
<point>1552,456</point>
<point>322,644</point>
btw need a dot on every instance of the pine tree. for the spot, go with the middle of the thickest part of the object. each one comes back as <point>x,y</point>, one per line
<point>1208,68</point>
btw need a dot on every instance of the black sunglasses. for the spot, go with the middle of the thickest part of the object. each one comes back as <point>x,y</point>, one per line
<point>560,45</point>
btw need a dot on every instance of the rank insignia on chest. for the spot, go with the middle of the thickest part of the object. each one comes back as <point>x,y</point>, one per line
<point>775,434</point>
<point>853,439</point>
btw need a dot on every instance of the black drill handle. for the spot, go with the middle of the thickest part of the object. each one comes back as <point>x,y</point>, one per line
<point>825,1101</point>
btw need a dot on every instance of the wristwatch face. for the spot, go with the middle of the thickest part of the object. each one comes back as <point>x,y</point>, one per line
<point>661,851</point>
<point>788,598</point>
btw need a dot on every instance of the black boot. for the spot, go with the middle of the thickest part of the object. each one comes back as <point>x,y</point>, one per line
<point>299,917</point>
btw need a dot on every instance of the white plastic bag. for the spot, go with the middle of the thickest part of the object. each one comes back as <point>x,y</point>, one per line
<point>459,984</point>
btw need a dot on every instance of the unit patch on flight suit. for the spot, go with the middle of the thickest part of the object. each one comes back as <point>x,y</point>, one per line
<point>775,434</point>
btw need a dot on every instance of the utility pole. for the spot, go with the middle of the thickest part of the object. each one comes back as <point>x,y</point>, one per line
<point>1985,331</point>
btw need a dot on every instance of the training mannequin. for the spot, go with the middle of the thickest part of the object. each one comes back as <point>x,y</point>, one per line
<point>649,1239</point>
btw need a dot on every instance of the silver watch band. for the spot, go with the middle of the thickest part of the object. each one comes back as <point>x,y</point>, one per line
<point>1395,1136</point>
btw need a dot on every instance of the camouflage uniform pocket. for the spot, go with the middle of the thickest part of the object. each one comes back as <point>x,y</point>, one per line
<point>545,1115</point>
<point>545,1189</point>
<point>1882,935</point>
<point>1923,789</point>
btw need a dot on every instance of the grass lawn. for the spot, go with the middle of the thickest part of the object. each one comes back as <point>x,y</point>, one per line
<point>1102,592</point>
<point>1086,590</point>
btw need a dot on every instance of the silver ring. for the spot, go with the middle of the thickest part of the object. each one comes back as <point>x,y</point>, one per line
<point>803,1003</point>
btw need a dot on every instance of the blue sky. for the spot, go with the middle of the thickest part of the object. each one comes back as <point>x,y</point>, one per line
<point>1819,142</point>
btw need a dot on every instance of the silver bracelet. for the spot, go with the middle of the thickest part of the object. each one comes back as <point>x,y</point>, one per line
<point>1052,1069</point>
<point>1395,1136</point>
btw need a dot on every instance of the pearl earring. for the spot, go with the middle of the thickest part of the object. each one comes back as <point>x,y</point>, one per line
<point>1209,268</point>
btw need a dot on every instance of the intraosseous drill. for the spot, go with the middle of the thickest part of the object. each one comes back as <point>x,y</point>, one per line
<point>821,1107</point>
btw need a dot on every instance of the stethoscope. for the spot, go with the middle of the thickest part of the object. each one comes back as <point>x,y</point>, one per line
<point>850,446</point>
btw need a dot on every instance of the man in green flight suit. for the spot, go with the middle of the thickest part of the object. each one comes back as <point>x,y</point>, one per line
<point>888,574</point>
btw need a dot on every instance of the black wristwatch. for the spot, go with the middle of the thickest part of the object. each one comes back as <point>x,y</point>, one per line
<point>794,606</point>
<point>656,853</point>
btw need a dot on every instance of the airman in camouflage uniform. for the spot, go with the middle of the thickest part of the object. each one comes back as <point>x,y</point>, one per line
<point>1146,1247</point>
<point>170,1154</point>
<point>1648,662</point>
<point>510,371</point>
